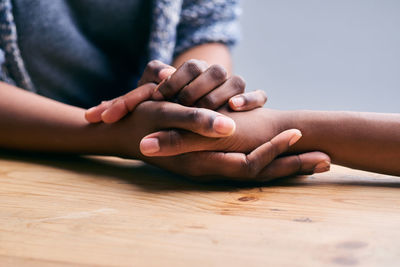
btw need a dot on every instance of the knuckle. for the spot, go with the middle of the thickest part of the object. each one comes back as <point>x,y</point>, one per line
<point>186,97</point>
<point>125,105</point>
<point>151,72</point>
<point>167,88</point>
<point>238,83</point>
<point>193,67</point>
<point>175,140</point>
<point>115,100</point>
<point>153,67</point>
<point>200,120</point>
<point>273,151</point>
<point>161,110</point>
<point>194,115</point>
<point>298,163</point>
<point>248,167</point>
<point>217,72</point>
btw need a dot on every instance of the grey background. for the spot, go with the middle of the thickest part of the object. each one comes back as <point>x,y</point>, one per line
<point>331,55</point>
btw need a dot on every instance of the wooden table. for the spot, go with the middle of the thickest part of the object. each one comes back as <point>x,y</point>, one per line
<point>109,212</point>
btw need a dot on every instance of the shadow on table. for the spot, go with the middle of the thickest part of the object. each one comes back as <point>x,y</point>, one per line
<point>153,179</point>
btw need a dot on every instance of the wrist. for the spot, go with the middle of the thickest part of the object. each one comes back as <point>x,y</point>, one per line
<point>316,128</point>
<point>99,139</point>
<point>303,120</point>
<point>83,137</point>
<point>280,120</point>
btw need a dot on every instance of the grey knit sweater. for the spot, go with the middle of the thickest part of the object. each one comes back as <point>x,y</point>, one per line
<point>176,26</point>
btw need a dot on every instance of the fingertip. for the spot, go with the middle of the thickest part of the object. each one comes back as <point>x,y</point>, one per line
<point>314,162</point>
<point>91,115</point>
<point>237,102</point>
<point>108,116</point>
<point>224,125</point>
<point>322,166</point>
<point>296,135</point>
<point>149,146</point>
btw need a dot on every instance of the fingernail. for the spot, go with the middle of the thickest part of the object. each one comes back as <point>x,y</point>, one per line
<point>89,115</point>
<point>224,125</point>
<point>91,110</point>
<point>157,94</point>
<point>149,145</point>
<point>295,138</point>
<point>164,73</point>
<point>323,166</point>
<point>238,101</point>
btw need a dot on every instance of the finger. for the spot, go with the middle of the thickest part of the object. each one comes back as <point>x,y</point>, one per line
<point>93,114</point>
<point>241,167</point>
<point>266,153</point>
<point>306,163</point>
<point>126,103</point>
<point>200,164</point>
<point>181,77</point>
<point>203,84</point>
<point>234,165</point>
<point>197,120</point>
<point>173,142</point>
<point>165,73</point>
<point>154,72</point>
<point>219,96</point>
<point>219,165</point>
<point>248,101</point>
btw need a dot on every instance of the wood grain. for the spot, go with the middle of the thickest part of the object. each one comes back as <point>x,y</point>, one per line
<point>62,211</point>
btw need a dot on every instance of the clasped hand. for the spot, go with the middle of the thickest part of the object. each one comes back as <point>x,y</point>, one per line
<point>238,140</point>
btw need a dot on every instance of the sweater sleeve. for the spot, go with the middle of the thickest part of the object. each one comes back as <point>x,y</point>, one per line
<point>206,21</point>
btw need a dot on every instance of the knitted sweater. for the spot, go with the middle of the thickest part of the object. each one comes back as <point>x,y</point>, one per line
<point>177,26</point>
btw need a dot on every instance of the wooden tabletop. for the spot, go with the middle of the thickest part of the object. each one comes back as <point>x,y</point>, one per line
<point>59,211</point>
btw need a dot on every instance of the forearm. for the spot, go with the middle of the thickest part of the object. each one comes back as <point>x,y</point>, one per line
<point>369,141</point>
<point>31,122</point>
<point>212,53</point>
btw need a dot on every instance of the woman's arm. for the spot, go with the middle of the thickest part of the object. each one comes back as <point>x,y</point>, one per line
<point>34,123</point>
<point>29,122</point>
<point>368,141</point>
